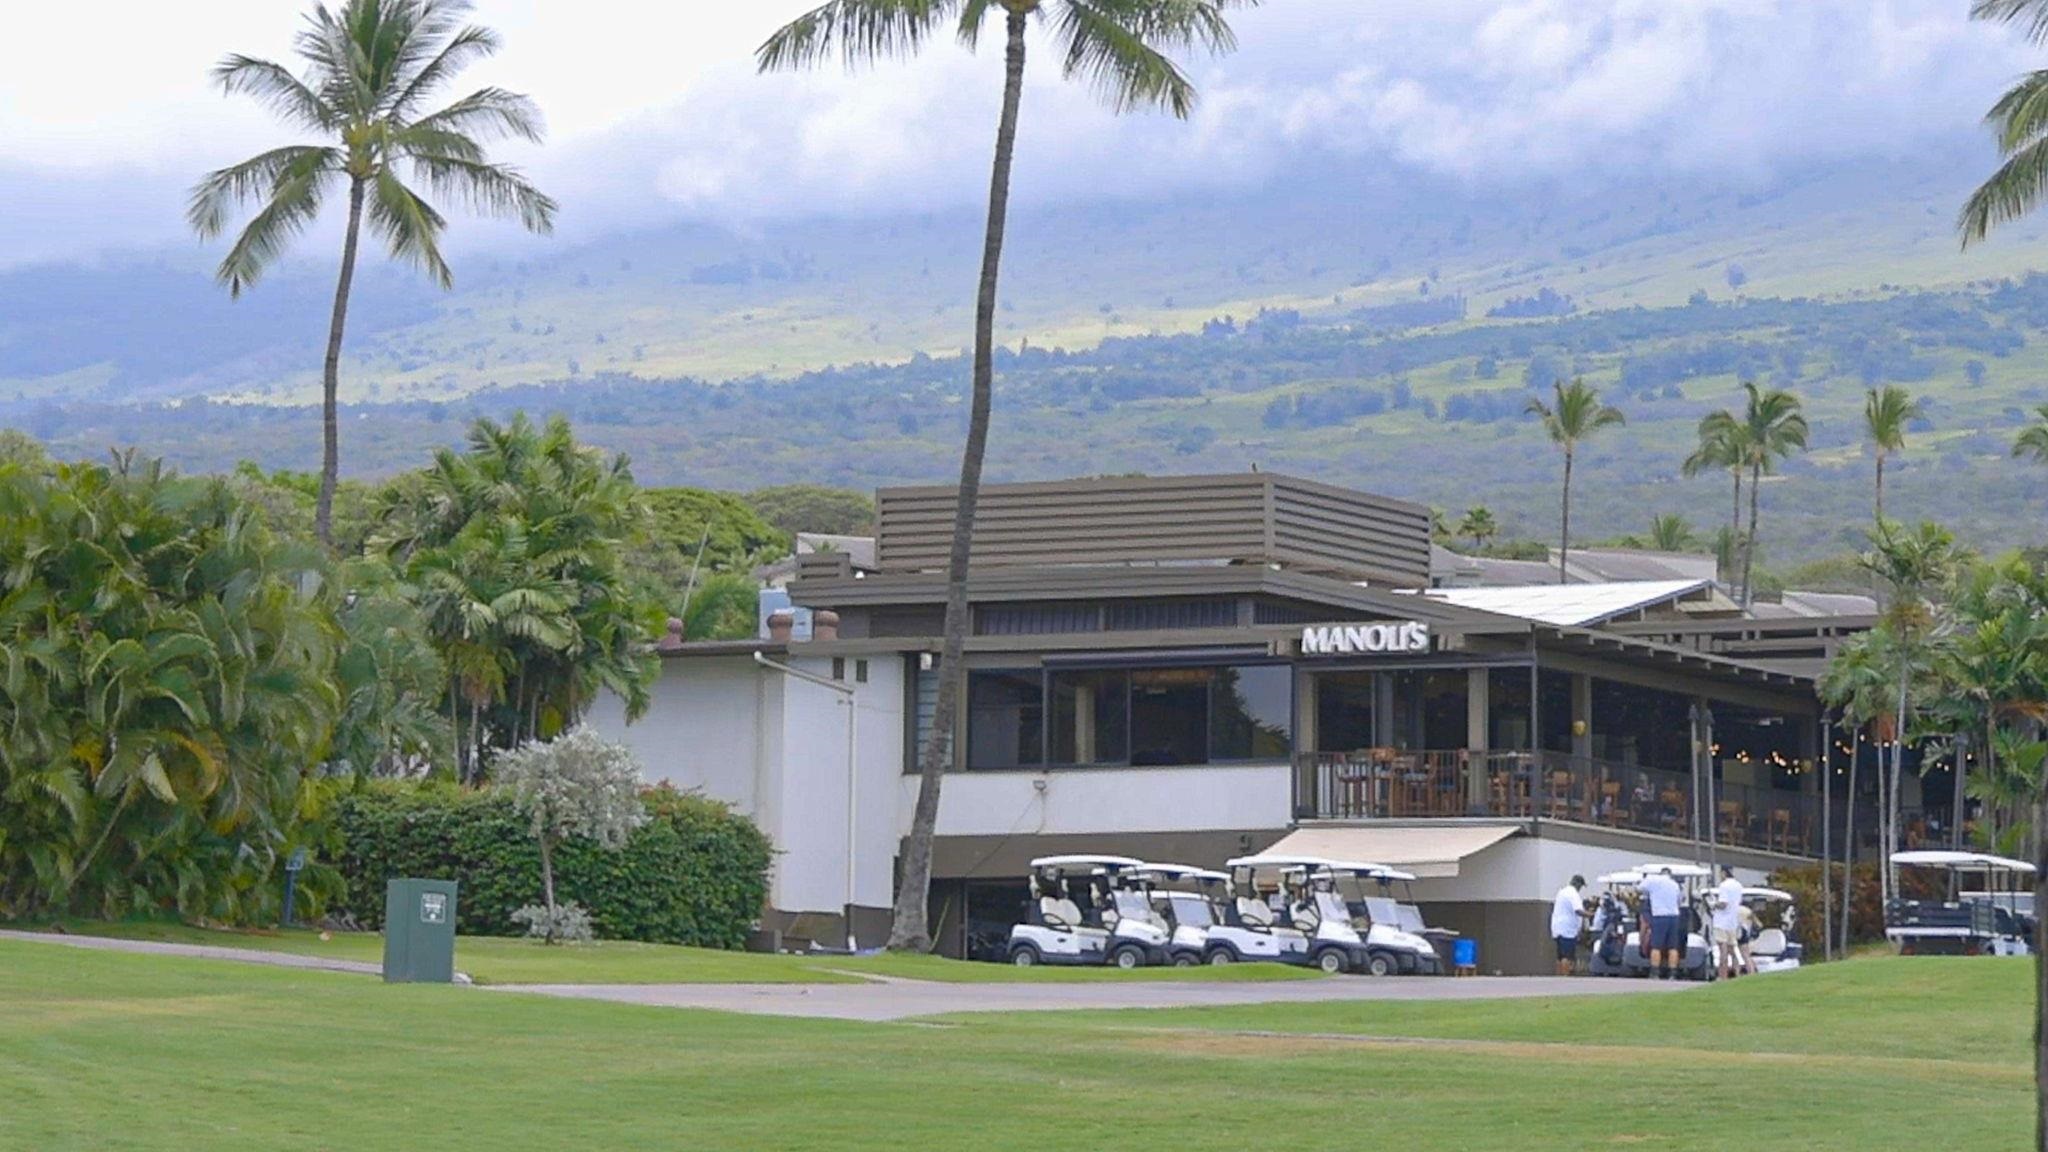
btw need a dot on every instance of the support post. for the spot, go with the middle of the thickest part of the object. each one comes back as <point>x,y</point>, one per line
<point>1478,733</point>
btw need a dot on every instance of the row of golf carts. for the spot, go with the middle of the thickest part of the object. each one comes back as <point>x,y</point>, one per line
<point>1621,929</point>
<point>1338,916</point>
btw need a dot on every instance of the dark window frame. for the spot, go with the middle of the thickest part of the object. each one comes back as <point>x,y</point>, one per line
<point>1047,707</point>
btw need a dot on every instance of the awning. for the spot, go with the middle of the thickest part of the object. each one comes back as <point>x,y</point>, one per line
<point>1427,851</point>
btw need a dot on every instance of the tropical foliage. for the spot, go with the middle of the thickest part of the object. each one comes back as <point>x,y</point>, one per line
<point>168,672</point>
<point>1577,414</point>
<point>576,785</point>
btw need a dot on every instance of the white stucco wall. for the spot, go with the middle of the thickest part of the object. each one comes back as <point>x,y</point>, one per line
<point>1109,801</point>
<point>702,728</point>
<point>809,779</point>
<point>1532,868</point>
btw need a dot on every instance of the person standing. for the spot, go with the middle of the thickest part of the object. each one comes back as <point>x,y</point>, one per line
<point>1728,924</point>
<point>1667,930</point>
<point>1567,916</point>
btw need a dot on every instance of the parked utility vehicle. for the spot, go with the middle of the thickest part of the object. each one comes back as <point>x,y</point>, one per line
<point>1267,889</point>
<point>1396,938</point>
<point>1200,907</point>
<point>1623,898</point>
<point>1773,949</point>
<point>1089,910</point>
<point>1984,924</point>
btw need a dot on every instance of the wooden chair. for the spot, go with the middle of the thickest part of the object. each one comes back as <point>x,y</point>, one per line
<point>1676,814</point>
<point>1780,833</point>
<point>1559,804</point>
<point>1611,813</point>
<point>1731,827</point>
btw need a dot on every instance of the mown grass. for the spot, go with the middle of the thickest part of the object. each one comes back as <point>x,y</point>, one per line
<point>137,1053</point>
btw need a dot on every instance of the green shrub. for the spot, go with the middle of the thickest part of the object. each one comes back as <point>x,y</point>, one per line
<point>695,873</point>
<point>1866,912</point>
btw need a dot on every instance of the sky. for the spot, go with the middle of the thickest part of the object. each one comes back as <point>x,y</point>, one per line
<point>656,114</point>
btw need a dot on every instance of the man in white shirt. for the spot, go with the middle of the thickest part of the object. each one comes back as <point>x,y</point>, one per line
<point>1728,924</point>
<point>1667,931</point>
<point>1567,914</point>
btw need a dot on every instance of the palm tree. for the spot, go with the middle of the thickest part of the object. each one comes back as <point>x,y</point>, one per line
<point>1887,412</point>
<point>1119,46</point>
<point>1772,428</point>
<point>1577,415</point>
<point>370,67</point>
<point>1672,532</point>
<point>1720,446</point>
<point>2032,442</point>
<point>1479,524</point>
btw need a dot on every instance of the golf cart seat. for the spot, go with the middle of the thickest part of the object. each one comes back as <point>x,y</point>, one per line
<point>1305,916</point>
<point>1769,944</point>
<point>1056,912</point>
<point>1254,913</point>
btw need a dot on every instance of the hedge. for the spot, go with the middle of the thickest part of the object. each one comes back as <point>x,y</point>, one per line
<point>1866,912</point>
<point>696,873</point>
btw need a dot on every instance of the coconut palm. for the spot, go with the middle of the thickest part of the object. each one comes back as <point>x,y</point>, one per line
<point>1720,446</point>
<point>2032,442</point>
<point>1771,429</point>
<point>1479,524</point>
<point>1671,532</point>
<point>1121,47</point>
<point>1577,414</point>
<point>371,67</point>
<point>1887,413</point>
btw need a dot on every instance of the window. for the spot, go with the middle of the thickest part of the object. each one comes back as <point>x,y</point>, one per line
<point>1005,720</point>
<point>1091,717</point>
<point>860,671</point>
<point>1170,716</point>
<point>924,704</point>
<point>839,667</point>
<point>1251,713</point>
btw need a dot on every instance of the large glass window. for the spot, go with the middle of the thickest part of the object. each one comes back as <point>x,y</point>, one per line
<point>1251,714</point>
<point>1091,717</point>
<point>1344,711</point>
<point>1148,717</point>
<point>1005,719</point>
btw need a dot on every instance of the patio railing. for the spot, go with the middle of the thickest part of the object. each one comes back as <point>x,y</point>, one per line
<point>1391,784</point>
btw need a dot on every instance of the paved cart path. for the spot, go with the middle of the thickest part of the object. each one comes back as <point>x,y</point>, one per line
<point>198,951</point>
<point>897,999</point>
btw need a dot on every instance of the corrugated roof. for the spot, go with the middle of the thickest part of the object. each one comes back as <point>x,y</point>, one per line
<point>1570,605</point>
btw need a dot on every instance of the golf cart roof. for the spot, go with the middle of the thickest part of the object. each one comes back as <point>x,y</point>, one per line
<point>1278,861</point>
<point>1370,870</point>
<point>1775,894</point>
<point>1678,871</point>
<point>1109,863</point>
<point>1627,878</point>
<point>1184,872</point>
<point>1962,861</point>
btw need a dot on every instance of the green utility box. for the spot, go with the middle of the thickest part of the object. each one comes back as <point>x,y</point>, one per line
<point>419,932</point>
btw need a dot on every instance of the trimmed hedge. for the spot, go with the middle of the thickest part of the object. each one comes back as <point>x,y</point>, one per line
<point>695,873</point>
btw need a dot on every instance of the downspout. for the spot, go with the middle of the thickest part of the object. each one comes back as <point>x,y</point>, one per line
<point>846,697</point>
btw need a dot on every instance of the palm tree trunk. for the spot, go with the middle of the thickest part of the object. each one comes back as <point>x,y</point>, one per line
<point>910,932</point>
<point>1880,486</point>
<point>1827,825</point>
<point>1756,477</point>
<point>2040,976</point>
<point>1564,545</point>
<point>1735,523</point>
<point>1898,768</point>
<point>330,376</point>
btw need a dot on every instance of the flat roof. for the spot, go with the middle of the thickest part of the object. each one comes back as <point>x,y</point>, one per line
<point>1571,605</point>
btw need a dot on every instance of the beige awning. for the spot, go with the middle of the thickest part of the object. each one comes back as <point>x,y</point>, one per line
<point>1425,850</point>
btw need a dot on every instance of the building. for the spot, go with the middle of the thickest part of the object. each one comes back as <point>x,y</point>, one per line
<point>1194,668</point>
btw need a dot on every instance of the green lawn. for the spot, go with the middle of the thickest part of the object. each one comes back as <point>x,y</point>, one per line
<point>496,960</point>
<point>119,1052</point>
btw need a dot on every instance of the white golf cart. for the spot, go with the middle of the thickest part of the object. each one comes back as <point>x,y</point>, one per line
<point>1773,949</point>
<point>1623,899</point>
<point>1267,890</point>
<point>1200,907</point>
<point>1396,938</point>
<point>1117,926</point>
<point>1984,924</point>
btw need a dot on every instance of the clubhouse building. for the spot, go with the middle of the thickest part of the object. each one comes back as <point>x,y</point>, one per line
<point>1194,668</point>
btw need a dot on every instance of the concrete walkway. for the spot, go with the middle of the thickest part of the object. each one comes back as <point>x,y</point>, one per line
<point>895,999</point>
<point>196,951</point>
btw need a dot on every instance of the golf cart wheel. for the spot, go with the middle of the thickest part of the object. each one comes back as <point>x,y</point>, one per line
<point>1222,956</point>
<point>1184,960</point>
<point>1331,961</point>
<point>1127,958</point>
<point>1024,956</point>
<point>1381,964</point>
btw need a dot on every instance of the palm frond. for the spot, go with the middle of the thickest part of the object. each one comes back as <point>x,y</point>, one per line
<point>488,189</point>
<point>2032,442</point>
<point>2012,191</point>
<point>464,46</point>
<point>489,114</point>
<point>1113,55</point>
<point>410,226</point>
<point>220,192</point>
<point>293,204</point>
<point>858,31</point>
<point>274,86</point>
<point>2032,14</point>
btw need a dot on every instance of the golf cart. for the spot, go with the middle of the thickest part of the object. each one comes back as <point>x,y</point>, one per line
<point>1200,908</point>
<point>1304,936</point>
<point>1773,949</point>
<point>1623,919</point>
<point>1118,926</point>
<point>1396,938</point>
<point>1985,924</point>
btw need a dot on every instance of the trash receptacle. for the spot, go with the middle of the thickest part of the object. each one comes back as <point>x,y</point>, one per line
<point>1466,953</point>
<point>419,932</point>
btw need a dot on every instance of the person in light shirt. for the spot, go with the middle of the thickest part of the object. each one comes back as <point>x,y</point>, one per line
<point>1728,924</point>
<point>1667,929</point>
<point>1567,915</point>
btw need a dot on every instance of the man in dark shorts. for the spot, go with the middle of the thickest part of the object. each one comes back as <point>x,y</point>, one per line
<point>1567,916</point>
<point>1667,927</point>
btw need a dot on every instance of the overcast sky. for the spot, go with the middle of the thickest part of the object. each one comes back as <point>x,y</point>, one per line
<point>655,112</point>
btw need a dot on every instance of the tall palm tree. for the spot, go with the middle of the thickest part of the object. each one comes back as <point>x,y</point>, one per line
<point>1887,413</point>
<point>2032,442</point>
<point>1122,48</point>
<point>1772,428</point>
<point>1720,446</point>
<point>1578,413</point>
<point>371,66</point>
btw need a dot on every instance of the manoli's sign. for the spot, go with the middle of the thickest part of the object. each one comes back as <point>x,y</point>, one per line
<point>1397,636</point>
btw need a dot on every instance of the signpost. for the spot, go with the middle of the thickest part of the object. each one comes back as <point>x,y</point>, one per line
<point>292,867</point>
